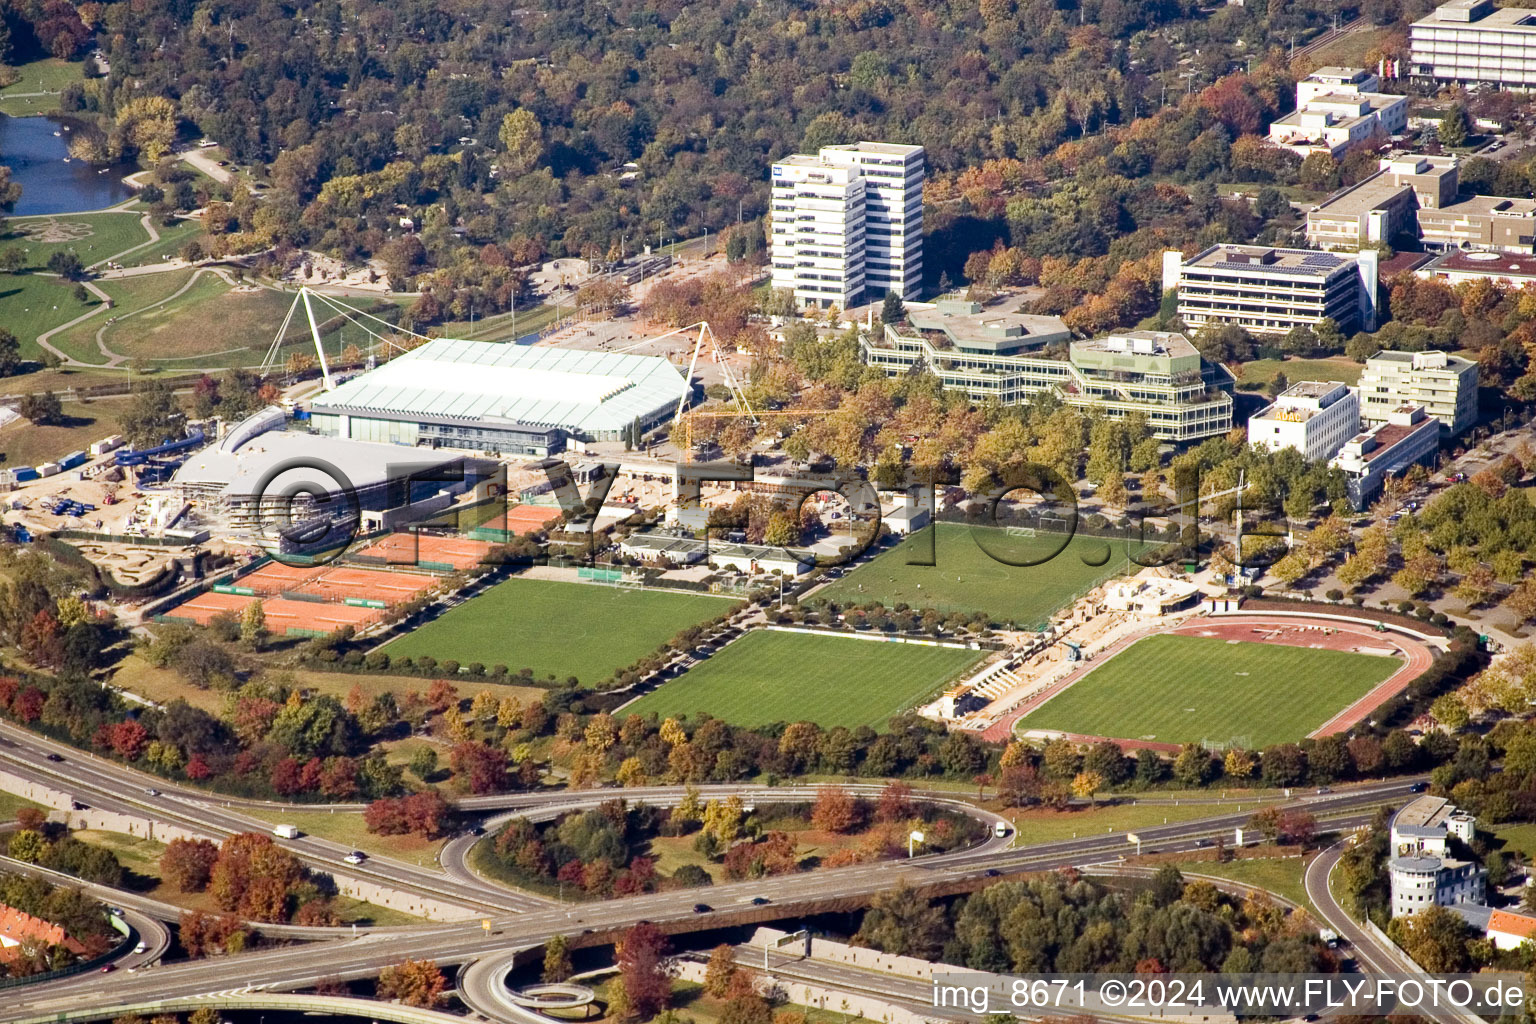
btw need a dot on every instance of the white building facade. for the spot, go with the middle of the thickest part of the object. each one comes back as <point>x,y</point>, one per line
<point>848,224</point>
<point>1314,417</point>
<point>1337,108</point>
<point>1444,385</point>
<point>1269,290</point>
<point>1473,41</point>
<point>1422,871</point>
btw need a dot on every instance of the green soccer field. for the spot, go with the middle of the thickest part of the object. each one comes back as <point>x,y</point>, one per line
<point>584,630</point>
<point>1182,689</point>
<point>965,577</point>
<point>769,676</point>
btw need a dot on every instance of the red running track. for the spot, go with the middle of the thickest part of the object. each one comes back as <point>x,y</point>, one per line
<point>1330,634</point>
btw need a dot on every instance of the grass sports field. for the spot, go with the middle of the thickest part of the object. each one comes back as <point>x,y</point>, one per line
<point>769,676</point>
<point>964,577</point>
<point>1180,689</point>
<point>585,630</point>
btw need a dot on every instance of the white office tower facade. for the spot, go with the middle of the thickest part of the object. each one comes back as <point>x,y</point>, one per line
<point>893,214</point>
<point>848,224</point>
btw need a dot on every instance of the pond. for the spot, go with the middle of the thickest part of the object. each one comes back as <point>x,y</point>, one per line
<point>35,149</point>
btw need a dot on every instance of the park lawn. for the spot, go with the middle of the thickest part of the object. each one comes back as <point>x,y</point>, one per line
<point>770,676</point>
<point>49,75</point>
<point>965,578</point>
<point>1518,837</point>
<point>1346,371</point>
<point>142,858</point>
<point>1279,875</point>
<point>209,324</point>
<point>1184,689</point>
<point>585,630</point>
<point>31,304</point>
<point>128,294</point>
<point>10,803</point>
<point>502,327</point>
<point>162,685</point>
<point>94,236</point>
<point>24,444</point>
<point>171,240</point>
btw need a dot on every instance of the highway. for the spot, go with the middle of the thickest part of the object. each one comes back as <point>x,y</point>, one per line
<point>517,920</point>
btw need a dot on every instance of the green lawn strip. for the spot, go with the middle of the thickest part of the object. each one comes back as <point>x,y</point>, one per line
<point>1041,825</point>
<point>172,238</point>
<point>768,677</point>
<point>965,577</point>
<point>49,75</point>
<point>25,444</point>
<point>1346,371</point>
<point>163,685</point>
<point>1280,875</point>
<point>128,294</point>
<point>562,629</point>
<point>1181,689</point>
<point>31,304</point>
<point>92,236</point>
<point>10,803</point>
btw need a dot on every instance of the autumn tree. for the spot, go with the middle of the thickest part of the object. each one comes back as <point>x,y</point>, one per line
<point>557,959</point>
<point>188,863</point>
<point>834,810</point>
<point>413,982</point>
<point>645,971</point>
<point>720,971</point>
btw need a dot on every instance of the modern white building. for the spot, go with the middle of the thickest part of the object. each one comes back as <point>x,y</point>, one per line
<point>1472,41</point>
<point>1370,458</point>
<point>1269,291</point>
<point>848,223</point>
<point>1314,417</point>
<point>1445,386</point>
<point>1422,871</point>
<point>1337,108</point>
<point>893,214</point>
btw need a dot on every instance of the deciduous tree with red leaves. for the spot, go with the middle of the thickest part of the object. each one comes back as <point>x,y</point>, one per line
<point>188,863</point>
<point>645,971</point>
<point>413,982</point>
<point>484,767</point>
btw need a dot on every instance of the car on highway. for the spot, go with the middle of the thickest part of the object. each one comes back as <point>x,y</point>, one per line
<point>108,968</point>
<point>477,830</point>
<point>1418,787</point>
<point>55,757</point>
<point>152,791</point>
<point>760,901</point>
<point>702,908</point>
<point>141,948</point>
<point>355,857</point>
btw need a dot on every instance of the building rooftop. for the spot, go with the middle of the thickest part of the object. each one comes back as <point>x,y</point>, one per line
<point>1340,74</point>
<point>884,148</point>
<point>1522,925</point>
<point>1484,206</point>
<point>257,464</point>
<point>1488,264</point>
<point>1268,260</point>
<point>1371,445</point>
<point>1424,865</point>
<point>536,385</point>
<point>1142,343</point>
<point>1465,12</point>
<point>970,324</point>
<point>1428,811</point>
<point>1428,360</point>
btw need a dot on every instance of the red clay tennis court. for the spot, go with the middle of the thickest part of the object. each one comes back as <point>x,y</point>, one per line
<point>202,608</point>
<point>275,577</point>
<point>284,614</point>
<point>344,582</point>
<point>409,549</point>
<point>523,518</point>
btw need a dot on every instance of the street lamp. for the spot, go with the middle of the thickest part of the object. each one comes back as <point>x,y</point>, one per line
<point>914,837</point>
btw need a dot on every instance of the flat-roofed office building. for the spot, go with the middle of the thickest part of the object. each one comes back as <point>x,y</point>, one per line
<point>848,223</point>
<point>1269,290</point>
<point>1471,41</point>
<point>1445,386</point>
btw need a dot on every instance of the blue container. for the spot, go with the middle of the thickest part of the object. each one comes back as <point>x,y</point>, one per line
<point>72,460</point>
<point>23,473</point>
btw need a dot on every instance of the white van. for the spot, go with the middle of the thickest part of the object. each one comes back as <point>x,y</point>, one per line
<point>286,832</point>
